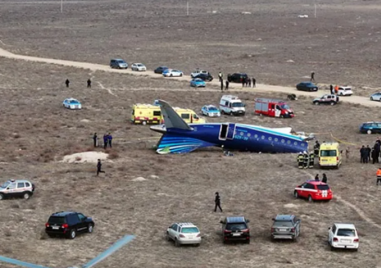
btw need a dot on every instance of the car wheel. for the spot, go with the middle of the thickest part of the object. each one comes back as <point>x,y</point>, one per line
<point>90,228</point>
<point>231,113</point>
<point>332,248</point>
<point>177,244</point>
<point>248,241</point>
<point>167,237</point>
<point>356,249</point>
<point>317,103</point>
<point>371,98</point>
<point>296,195</point>
<point>72,234</point>
<point>144,123</point>
<point>26,195</point>
<point>171,75</point>
<point>332,103</point>
<point>196,245</point>
<point>181,75</point>
<point>369,131</point>
<point>310,198</point>
<point>281,116</point>
<point>1,196</point>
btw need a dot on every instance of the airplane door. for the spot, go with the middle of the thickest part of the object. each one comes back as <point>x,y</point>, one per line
<point>231,131</point>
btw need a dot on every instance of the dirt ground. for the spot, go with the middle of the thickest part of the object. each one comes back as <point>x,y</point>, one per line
<point>36,131</point>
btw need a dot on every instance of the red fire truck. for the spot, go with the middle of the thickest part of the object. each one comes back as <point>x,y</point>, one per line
<point>273,108</point>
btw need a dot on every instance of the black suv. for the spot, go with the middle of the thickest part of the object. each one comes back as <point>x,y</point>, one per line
<point>237,77</point>
<point>68,223</point>
<point>205,77</point>
<point>235,229</point>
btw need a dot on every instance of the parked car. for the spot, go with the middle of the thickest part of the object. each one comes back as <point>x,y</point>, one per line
<point>184,233</point>
<point>197,82</point>
<point>307,86</point>
<point>285,227</point>
<point>313,190</point>
<point>376,96</point>
<point>235,229</point>
<point>16,188</point>
<point>205,77</point>
<point>138,67</point>
<point>237,77</point>
<point>197,72</point>
<point>172,72</point>
<point>210,110</point>
<point>370,127</point>
<point>118,64</point>
<point>72,104</point>
<point>160,69</point>
<point>68,224</point>
<point>330,99</point>
<point>343,235</point>
<point>345,91</point>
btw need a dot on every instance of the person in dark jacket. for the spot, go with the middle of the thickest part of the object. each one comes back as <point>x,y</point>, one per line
<point>324,179</point>
<point>368,152</point>
<point>254,81</point>
<point>105,141</point>
<point>306,160</point>
<point>95,139</point>
<point>226,85</point>
<point>300,160</point>
<point>89,83</point>
<point>311,160</point>
<point>317,177</point>
<point>313,77</point>
<point>99,167</point>
<point>67,82</point>
<point>374,156</point>
<point>316,148</point>
<point>331,89</point>
<point>243,81</point>
<point>217,202</point>
<point>109,140</point>
<point>363,154</point>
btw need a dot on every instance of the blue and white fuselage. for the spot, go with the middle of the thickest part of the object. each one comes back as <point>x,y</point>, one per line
<point>178,138</point>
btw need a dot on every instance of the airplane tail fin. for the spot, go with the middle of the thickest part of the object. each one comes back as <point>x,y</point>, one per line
<point>171,118</point>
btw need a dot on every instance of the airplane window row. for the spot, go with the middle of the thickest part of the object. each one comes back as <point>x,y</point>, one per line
<point>275,139</point>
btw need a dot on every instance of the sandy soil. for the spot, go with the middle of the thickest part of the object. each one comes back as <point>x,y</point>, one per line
<point>37,132</point>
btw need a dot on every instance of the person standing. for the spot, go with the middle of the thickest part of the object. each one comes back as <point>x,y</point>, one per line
<point>305,160</point>
<point>300,160</point>
<point>248,80</point>
<point>243,80</point>
<point>226,85</point>
<point>217,202</point>
<point>324,179</point>
<point>67,82</point>
<point>221,76</point>
<point>316,147</point>
<point>311,160</point>
<point>317,177</point>
<point>313,76</point>
<point>99,167</point>
<point>89,83</point>
<point>254,81</point>
<point>363,154</point>
<point>105,141</point>
<point>331,89</point>
<point>378,174</point>
<point>374,155</point>
<point>109,137</point>
<point>95,139</point>
<point>368,151</point>
<point>222,84</point>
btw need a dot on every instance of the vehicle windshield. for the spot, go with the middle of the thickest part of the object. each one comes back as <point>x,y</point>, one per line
<point>283,223</point>
<point>74,101</point>
<point>323,187</point>
<point>346,232</point>
<point>213,109</point>
<point>195,116</point>
<point>328,153</point>
<point>236,226</point>
<point>121,61</point>
<point>189,230</point>
<point>57,220</point>
<point>284,106</point>
<point>5,184</point>
<point>238,104</point>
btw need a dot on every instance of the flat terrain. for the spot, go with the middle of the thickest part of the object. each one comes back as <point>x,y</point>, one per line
<point>36,131</point>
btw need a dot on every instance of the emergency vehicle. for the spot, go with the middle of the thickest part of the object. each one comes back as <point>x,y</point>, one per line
<point>313,190</point>
<point>272,108</point>
<point>329,155</point>
<point>189,116</point>
<point>232,105</point>
<point>17,188</point>
<point>145,114</point>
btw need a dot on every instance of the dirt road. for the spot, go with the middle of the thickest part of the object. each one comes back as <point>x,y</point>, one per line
<point>234,87</point>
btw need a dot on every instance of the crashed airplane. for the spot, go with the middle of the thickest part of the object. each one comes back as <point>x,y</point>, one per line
<point>179,137</point>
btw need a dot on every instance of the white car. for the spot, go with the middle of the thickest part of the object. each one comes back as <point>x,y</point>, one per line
<point>343,235</point>
<point>16,188</point>
<point>172,72</point>
<point>184,233</point>
<point>72,104</point>
<point>197,72</point>
<point>138,67</point>
<point>345,91</point>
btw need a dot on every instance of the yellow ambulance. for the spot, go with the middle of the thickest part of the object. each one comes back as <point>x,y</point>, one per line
<point>189,116</point>
<point>329,155</point>
<point>145,114</point>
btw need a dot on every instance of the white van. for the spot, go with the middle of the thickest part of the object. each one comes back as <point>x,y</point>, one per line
<point>232,105</point>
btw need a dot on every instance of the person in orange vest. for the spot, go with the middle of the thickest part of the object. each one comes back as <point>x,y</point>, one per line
<point>378,176</point>
<point>336,89</point>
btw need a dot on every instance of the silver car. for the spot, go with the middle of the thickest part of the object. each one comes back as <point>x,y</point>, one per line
<point>376,96</point>
<point>184,233</point>
<point>285,227</point>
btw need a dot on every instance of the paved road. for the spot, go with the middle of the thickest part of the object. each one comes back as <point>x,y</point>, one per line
<point>234,87</point>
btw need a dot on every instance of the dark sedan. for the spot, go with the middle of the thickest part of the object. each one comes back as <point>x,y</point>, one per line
<point>237,77</point>
<point>204,77</point>
<point>307,86</point>
<point>160,69</point>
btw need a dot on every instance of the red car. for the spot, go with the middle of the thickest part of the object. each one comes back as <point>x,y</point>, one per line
<point>313,191</point>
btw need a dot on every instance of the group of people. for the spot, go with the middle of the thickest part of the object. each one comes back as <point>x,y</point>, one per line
<point>107,140</point>
<point>368,154</point>
<point>246,81</point>
<point>306,160</point>
<point>324,179</point>
<point>67,83</point>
